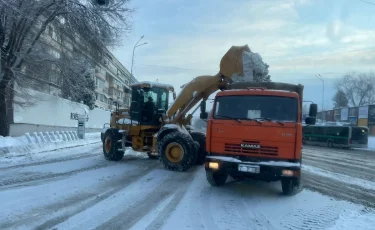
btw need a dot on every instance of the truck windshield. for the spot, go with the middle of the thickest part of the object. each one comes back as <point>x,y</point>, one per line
<point>275,108</point>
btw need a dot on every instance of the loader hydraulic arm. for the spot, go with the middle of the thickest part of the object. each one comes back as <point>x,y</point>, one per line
<point>202,87</point>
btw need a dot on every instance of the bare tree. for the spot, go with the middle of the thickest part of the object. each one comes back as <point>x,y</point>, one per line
<point>22,25</point>
<point>359,88</point>
<point>340,99</point>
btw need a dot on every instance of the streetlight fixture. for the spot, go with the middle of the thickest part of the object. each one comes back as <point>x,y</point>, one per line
<point>135,46</point>
<point>321,78</point>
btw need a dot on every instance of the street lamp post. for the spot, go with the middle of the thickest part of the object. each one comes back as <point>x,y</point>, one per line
<point>135,46</point>
<point>321,78</point>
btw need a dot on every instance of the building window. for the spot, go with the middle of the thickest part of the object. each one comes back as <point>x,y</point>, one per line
<point>100,83</point>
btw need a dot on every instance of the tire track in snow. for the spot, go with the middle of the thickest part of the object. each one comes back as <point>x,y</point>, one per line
<point>205,205</point>
<point>131,215</point>
<point>64,159</point>
<point>354,160</point>
<point>254,219</point>
<point>339,190</point>
<point>364,154</point>
<point>223,208</point>
<point>159,221</point>
<point>37,177</point>
<point>78,203</point>
<point>343,159</point>
<point>337,167</point>
<point>302,219</point>
<point>34,178</point>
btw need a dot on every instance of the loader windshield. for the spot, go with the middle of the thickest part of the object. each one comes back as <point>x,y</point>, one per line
<point>148,103</point>
<point>275,108</point>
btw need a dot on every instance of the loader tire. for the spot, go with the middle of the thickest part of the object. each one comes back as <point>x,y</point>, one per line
<point>201,139</point>
<point>177,151</point>
<point>111,145</point>
<point>216,178</point>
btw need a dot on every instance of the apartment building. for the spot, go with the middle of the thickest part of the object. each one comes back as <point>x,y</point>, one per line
<point>113,82</point>
<point>111,78</point>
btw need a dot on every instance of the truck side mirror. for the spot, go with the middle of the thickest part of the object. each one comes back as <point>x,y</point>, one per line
<point>203,106</point>
<point>204,114</point>
<point>313,111</point>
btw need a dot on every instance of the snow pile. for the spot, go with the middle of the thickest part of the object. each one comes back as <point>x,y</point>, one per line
<point>252,63</point>
<point>371,143</point>
<point>350,219</point>
<point>41,142</point>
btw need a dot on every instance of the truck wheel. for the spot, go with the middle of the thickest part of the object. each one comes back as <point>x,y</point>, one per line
<point>201,139</point>
<point>111,145</point>
<point>290,186</point>
<point>177,151</point>
<point>215,178</point>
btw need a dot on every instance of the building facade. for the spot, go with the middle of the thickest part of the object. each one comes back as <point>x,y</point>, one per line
<point>360,115</point>
<point>112,79</point>
<point>113,82</point>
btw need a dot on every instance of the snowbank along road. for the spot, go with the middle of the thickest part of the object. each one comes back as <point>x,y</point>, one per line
<point>77,188</point>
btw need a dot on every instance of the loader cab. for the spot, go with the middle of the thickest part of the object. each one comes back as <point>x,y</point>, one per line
<point>149,102</point>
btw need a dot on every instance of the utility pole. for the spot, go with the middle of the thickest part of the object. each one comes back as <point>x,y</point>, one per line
<point>323,113</point>
<point>135,46</point>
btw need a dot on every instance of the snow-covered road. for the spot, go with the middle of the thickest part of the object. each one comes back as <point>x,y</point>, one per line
<point>77,188</point>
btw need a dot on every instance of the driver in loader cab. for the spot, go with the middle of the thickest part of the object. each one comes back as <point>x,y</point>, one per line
<point>149,108</point>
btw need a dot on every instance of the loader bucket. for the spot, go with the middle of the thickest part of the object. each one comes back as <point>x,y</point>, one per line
<point>231,66</point>
<point>232,62</point>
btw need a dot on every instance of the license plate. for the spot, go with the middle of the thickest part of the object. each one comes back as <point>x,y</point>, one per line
<point>249,168</point>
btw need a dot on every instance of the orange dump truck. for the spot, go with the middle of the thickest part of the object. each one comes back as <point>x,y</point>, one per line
<point>255,130</point>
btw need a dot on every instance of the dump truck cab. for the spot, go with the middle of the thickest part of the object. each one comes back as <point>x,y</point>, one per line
<point>256,133</point>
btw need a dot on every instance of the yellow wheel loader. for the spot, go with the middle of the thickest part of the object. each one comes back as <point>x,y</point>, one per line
<point>164,133</point>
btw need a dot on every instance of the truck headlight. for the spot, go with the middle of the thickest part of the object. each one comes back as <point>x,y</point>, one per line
<point>287,172</point>
<point>213,165</point>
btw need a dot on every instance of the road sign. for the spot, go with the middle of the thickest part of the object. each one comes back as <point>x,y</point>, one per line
<point>81,126</point>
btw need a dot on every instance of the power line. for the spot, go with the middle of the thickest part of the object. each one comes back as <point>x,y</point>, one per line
<point>371,3</point>
<point>172,67</point>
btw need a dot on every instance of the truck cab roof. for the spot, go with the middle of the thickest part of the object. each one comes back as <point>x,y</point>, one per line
<point>148,84</point>
<point>257,91</point>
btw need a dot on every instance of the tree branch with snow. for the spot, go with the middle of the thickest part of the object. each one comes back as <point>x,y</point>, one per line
<point>23,26</point>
